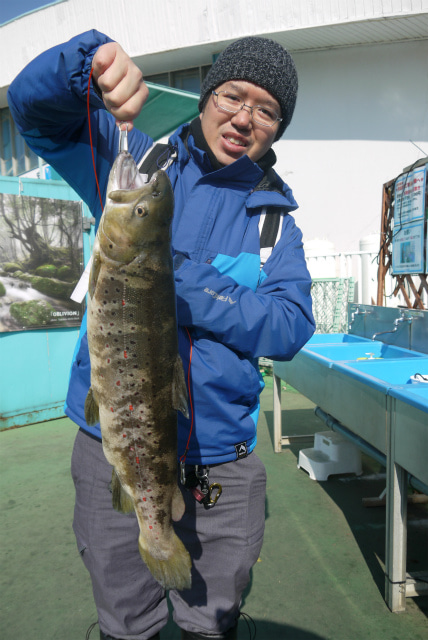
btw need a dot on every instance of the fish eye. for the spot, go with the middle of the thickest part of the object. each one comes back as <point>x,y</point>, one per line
<point>140,211</point>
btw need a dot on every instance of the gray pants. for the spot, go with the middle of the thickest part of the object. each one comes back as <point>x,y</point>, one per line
<point>224,543</point>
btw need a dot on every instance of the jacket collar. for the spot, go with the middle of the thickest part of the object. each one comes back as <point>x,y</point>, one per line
<point>267,187</point>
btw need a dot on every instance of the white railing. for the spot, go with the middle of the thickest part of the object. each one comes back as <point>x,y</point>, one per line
<point>362,266</point>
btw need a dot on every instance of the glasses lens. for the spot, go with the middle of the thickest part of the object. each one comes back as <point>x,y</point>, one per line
<point>264,116</point>
<point>229,102</point>
<point>232,103</point>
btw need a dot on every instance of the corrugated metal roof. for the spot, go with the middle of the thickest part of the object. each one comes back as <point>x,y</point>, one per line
<point>377,31</point>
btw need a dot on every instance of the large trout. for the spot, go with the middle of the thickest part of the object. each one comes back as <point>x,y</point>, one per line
<point>137,378</point>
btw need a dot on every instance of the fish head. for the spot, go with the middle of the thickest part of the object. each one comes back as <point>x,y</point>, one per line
<point>137,214</point>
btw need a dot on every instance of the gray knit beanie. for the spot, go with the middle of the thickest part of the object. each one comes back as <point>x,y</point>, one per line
<point>261,61</point>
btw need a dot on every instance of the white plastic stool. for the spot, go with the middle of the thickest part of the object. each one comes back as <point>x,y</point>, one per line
<point>331,453</point>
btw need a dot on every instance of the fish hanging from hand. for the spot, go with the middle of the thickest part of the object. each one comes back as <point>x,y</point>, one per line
<point>137,378</point>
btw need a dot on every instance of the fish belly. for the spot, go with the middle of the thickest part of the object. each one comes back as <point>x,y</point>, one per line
<point>133,345</point>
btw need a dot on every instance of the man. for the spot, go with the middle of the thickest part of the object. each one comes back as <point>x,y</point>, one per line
<point>239,295</point>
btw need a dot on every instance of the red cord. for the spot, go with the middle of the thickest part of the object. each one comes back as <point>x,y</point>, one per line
<point>90,140</point>
<point>183,457</point>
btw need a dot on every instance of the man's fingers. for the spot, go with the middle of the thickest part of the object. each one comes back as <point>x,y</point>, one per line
<point>123,107</point>
<point>104,58</point>
<point>120,81</point>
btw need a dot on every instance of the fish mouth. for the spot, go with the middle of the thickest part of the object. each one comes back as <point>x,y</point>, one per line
<point>159,184</point>
<point>103,231</point>
<point>127,175</point>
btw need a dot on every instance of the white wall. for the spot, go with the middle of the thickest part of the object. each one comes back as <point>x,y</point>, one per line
<point>357,110</point>
<point>188,32</point>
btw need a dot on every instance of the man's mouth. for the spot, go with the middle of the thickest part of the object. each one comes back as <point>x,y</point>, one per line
<point>234,140</point>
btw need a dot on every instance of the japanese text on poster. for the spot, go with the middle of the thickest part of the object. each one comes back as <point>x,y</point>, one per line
<point>410,196</point>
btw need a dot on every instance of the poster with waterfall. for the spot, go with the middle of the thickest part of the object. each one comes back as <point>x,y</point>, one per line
<point>41,260</point>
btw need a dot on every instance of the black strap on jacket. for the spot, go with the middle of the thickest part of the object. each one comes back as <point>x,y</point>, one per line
<point>269,232</point>
<point>159,156</point>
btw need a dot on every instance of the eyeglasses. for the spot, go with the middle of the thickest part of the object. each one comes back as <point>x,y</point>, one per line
<point>231,103</point>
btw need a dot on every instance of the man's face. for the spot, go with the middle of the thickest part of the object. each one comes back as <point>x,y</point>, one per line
<point>232,135</point>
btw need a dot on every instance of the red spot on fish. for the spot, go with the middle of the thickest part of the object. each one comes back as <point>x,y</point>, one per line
<point>111,409</point>
<point>123,303</point>
<point>108,360</point>
<point>124,435</point>
<point>137,460</point>
<point>144,499</point>
<point>125,355</point>
<point>131,408</point>
<point>118,383</point>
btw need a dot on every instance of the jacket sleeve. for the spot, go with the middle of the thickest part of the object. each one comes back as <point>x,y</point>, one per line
<point>48,102</point>
<point>274,321</point>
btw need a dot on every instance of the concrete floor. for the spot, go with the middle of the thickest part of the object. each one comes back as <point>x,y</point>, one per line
<point>320,572</point>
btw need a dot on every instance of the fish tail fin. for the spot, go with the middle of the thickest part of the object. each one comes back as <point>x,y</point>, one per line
<point>173,572</point>
<point>121,500</point>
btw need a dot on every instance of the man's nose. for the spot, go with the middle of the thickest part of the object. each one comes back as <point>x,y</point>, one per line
<point>243,117</point>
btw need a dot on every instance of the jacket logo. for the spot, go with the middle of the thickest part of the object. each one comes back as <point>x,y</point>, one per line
<point>241,450</point>
<point>217,296</point>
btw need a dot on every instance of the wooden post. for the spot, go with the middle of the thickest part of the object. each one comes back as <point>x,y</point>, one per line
<point>385,258</point>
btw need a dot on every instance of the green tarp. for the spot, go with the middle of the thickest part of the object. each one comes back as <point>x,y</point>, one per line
<point>165,109</point>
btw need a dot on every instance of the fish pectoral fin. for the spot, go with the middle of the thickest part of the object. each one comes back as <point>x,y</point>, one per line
<point>95,268</point>
<point>179,390</point>
<point>92,411</point>
<point>177,505</point>
<point>121,500</point>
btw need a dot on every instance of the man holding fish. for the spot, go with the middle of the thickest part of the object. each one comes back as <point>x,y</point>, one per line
<point>178,423</point>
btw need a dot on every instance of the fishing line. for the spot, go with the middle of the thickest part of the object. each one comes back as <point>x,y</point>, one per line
<point>90,140</point>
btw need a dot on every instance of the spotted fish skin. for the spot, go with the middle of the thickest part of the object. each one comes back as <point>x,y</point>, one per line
<point>137,378</point>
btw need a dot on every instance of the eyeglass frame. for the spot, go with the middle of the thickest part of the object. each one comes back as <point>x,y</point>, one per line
<point>262,124</point>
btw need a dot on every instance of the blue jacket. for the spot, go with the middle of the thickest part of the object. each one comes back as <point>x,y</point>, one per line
<point>235,307</point>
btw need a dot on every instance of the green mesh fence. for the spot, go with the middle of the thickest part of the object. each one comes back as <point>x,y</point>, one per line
<point>330,297</point>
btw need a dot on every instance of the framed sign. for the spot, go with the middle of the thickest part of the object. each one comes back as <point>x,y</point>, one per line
<point>408,249</point>
<point>410,197</point>
<point>41,260</point>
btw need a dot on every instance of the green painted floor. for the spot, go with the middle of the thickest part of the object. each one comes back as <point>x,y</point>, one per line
<point>320,572</point>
